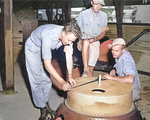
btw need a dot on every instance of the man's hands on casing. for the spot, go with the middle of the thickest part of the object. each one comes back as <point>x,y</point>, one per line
<point>65,86</point>
<point>69,84</point>
<point>71,81</point>
<point>107,76</point>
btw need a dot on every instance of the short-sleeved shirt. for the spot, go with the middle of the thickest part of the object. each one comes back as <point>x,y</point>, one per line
<point>125,65</point>
<point>91,26</point>
<point>45,39</point>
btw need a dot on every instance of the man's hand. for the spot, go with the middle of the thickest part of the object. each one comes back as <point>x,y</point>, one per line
<point>107,76</point>
<point>71,81</point>
<point>65,86</point>
<point>92,39</point>
<point>124,79</point>
<point>105,29</point>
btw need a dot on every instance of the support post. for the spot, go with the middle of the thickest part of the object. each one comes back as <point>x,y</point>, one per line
<point>119,5</point>
<point>7,67</point>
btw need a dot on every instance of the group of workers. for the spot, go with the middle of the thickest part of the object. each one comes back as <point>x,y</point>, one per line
<point>90,28</point>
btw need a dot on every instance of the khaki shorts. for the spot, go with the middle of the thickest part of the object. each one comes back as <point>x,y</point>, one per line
<point>93,52</point>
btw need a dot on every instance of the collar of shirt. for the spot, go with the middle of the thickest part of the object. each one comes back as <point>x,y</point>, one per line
<point>118,59</point>
<point>94,14</point>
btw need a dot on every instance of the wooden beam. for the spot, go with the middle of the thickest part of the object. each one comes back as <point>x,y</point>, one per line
<point>1,39</point>
<point>68,11</point>
<point>119,15</point>
<point>7,74</point>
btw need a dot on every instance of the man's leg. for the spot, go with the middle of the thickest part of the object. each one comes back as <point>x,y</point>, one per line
<point>91,69</point>
<point>38,80</point>
<point>85,57</point>
<point>93,56</point>
<point>44,114</point>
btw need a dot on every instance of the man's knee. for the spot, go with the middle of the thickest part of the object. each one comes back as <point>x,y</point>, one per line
<point>86,43</point>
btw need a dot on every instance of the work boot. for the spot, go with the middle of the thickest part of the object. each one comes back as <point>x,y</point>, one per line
<point>44,114</point>
<point>50,111</point>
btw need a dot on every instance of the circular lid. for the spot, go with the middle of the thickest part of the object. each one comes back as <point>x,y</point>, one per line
<point>107,88</point>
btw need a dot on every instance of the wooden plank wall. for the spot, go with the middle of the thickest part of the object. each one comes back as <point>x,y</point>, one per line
<point>140,49</point>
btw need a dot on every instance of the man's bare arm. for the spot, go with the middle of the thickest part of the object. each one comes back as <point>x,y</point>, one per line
<point>126,79</point>
<point>49,67</point>
<point>69,62</point>
<point>103,34</point>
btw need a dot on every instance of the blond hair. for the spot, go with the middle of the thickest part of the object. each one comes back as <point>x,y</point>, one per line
<point>73,27</point>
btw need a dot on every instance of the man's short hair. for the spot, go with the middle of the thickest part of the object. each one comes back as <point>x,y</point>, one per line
<point>73,27</point>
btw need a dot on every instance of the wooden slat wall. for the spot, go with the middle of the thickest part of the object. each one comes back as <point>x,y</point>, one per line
<point>140,49</point>
<point>112,33</point>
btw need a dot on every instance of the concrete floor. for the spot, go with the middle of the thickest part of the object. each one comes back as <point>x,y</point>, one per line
<point>19,106</point>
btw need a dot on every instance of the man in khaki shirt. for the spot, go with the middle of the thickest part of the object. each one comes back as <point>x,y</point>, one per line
<point>93,23</point>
